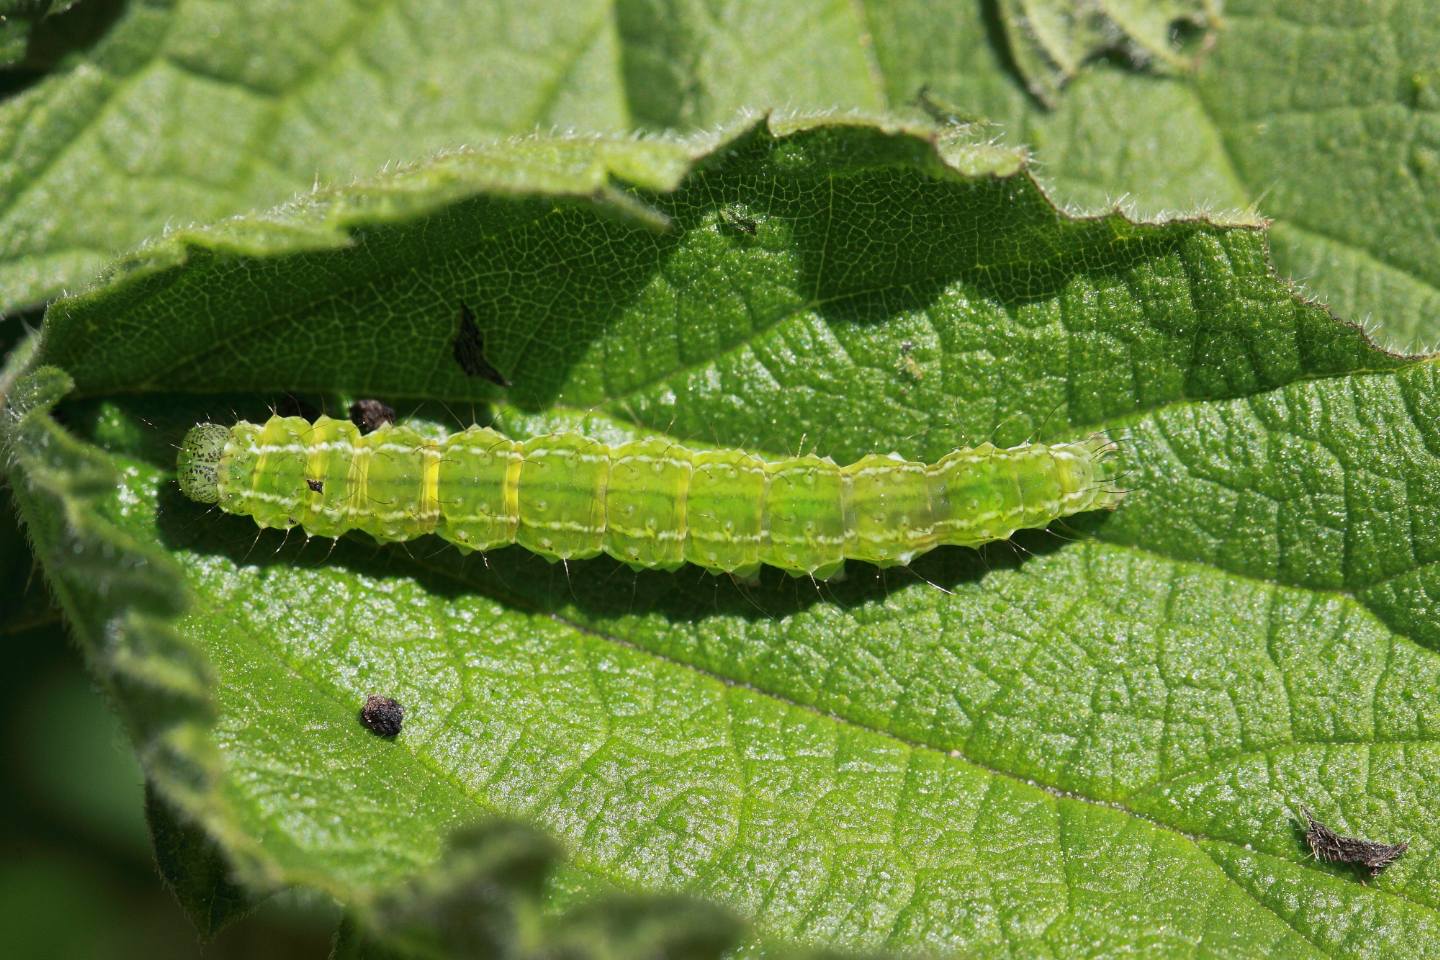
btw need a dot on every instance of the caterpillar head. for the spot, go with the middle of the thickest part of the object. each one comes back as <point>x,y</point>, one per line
<point>198,463</point>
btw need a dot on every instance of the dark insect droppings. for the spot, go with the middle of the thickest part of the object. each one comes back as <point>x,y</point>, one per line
<point>1326,844</point>
<point>382,716</point>
<point>317,486</point>
<point>469,348</point>
<point>371,415</point>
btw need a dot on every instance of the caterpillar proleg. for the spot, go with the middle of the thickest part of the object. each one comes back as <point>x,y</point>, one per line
<point>649,503</point>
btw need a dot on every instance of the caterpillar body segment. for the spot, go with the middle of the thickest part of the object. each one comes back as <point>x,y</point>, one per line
<point>650,503</point>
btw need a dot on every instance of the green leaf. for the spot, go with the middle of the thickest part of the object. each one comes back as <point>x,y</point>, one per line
<point>1091,743</point>
<point>484,900</point>
<point>188,111</point>
<point>23,601</point>
<point>1345,155</point>
<point>120,595</point>
<point>22,593</point>
<point>1318,115</point>
<point>194,868</point>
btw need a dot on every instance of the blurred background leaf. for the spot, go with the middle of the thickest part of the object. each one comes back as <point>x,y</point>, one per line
<point>18,18</point>
<point>77,876</point>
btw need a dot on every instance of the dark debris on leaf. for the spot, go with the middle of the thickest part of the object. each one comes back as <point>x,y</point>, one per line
<point>382,716</point>
<point>1329,846</point>
<point>371,415</point>
<point>469,346</point>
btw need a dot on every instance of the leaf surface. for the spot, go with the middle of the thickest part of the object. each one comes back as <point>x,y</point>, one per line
<point>188,111</point>
<point>1317,115</point>
<point>1093,741</point>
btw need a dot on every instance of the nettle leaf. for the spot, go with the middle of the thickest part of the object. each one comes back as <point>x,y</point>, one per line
<point>1346,160</point>
<point>1094,740</point>
<point>1319,115</point>
<point>191,110</point>
<point>194,867</point>
<point>484,900</point>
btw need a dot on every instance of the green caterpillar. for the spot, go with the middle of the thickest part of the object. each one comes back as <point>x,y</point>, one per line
<point>650,503</point>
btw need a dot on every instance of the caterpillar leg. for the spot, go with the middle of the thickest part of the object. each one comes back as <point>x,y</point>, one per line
<point>748,575</point>
<point>829,571</point>
<point>667,567</point>
<point>901,561</point>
